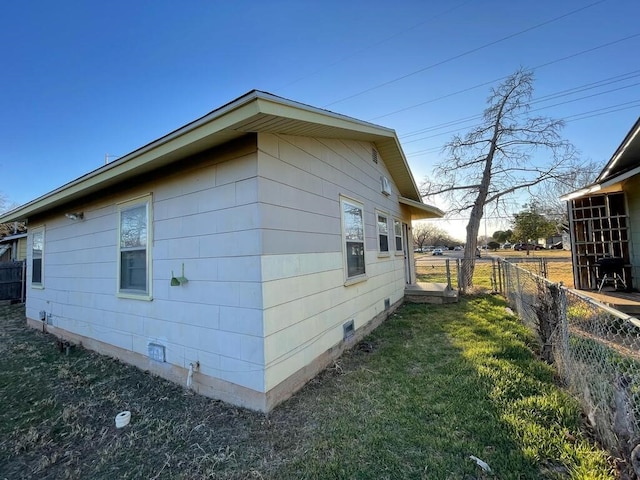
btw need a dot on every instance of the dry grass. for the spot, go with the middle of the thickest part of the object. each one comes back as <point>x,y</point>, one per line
<point>426,390</point>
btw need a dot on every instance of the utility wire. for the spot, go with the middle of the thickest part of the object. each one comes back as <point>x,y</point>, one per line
<point>375,44</point>
<point>533,110</point>
<point>495,80</point>
<point>568,119</point>
<point>464,54</point>
<point>546,98</point>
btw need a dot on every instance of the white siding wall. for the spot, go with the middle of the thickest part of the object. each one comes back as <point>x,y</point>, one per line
<point>305,298</point>
<point>206,218</point>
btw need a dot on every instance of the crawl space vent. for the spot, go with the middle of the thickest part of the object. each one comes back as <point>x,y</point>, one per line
<point>156,352</point>
<point>348,330</point>
<point>387,304</point>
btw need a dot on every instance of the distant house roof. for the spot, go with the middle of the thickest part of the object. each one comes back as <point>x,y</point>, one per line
<point>624,164</point>
<point>253,112</point>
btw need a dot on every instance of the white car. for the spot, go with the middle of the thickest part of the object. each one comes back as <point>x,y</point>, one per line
<point>437,251</point>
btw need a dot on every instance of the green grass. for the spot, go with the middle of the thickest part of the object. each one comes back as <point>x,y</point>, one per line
<point>430,387</point>
<point>436,273</point>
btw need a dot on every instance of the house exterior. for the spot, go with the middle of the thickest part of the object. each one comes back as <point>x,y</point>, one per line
<point>13,248</point>
<point>237,255</point>
<point>604,218</point>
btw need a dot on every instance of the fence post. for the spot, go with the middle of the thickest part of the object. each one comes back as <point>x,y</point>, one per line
<point>23,296</point>
<point>448,274</point>
<point>458,272</point>
<point>494,282</point>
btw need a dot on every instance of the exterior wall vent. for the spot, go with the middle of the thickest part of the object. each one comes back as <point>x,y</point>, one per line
<point>385,185</point>
<point>374,155</point>
<point>348,330</point>
<point>387,304</point>
<point>156,352</point>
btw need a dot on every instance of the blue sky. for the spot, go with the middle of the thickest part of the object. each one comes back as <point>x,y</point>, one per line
<point>81,79</point>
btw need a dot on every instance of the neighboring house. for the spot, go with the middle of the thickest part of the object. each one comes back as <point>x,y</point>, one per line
<point>13,248</point>
<point>604,218</point>
<point>239,254</point>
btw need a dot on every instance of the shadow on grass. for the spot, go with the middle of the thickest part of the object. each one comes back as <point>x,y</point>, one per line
<point>430,387</point>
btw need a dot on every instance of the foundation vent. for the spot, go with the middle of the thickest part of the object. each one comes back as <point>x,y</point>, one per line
<point>387,304</point>
<point>348,330</point>
<point>156,352</point>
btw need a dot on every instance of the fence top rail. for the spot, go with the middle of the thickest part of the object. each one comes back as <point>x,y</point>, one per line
<point>616,313</point>
<point>603,306</point>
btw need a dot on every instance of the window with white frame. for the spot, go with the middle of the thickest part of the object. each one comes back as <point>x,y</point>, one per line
<point>353,237</point>
<point>397,231</point>
<point>383,233</point>
<point>134,241</point>
<point>37,257</point>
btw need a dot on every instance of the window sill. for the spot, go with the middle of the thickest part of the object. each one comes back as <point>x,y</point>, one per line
<point>134,296</point>
<point>37,287</point>
<point>383,255</point>
<point>399,254</point>
<point>354,280</point>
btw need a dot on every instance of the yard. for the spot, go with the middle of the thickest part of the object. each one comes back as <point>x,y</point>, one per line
<point>433,386</point>
<point>558,263</point>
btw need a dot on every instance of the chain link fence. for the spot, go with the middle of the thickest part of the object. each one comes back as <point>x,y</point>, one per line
<point>595,348</point>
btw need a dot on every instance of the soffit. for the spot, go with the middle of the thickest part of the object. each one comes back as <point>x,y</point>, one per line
<point>254,112</point>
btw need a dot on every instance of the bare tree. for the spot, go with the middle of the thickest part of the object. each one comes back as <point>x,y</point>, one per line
<point>487,166</point>
<point>9,228</point>
<point>429,234</point>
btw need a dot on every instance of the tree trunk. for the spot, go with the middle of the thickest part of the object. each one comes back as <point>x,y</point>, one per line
<point>471,246</point>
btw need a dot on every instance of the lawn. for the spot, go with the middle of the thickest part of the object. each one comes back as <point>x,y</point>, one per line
<point>429,388</point>
<point>559,267</point>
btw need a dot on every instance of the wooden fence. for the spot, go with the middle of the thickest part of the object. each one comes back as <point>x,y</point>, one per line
<point>12,281</point>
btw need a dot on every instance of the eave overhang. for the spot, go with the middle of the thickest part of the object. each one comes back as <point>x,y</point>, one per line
<point>419,210</point>
<point>254,112</point>
<point>624,164</point>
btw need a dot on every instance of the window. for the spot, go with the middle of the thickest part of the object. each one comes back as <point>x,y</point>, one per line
<point>397,230</point>
<point>353,237</point>
<point>134,239</point>
<point>383,233</point>
<point>37,256</point>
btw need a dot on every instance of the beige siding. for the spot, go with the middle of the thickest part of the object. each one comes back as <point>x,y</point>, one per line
<point>305,298</point>
<point>205,217</point>
<point>258,230</point>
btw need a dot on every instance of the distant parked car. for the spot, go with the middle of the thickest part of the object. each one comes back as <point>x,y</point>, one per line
<point>437,251</point>
<point>458,248</point>
<point>507,245</point>
<point>556,246</point>
<point>527,246</point>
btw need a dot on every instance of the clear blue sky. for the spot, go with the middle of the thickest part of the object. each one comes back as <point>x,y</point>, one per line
<point>81,79</point>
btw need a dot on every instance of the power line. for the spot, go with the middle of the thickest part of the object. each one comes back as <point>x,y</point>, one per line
<point>375,44</point>
<point>551,96</point>
<point>579,116</point>
<point>533,110</point>
<point>464,54</point>
<point>495,80</point>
